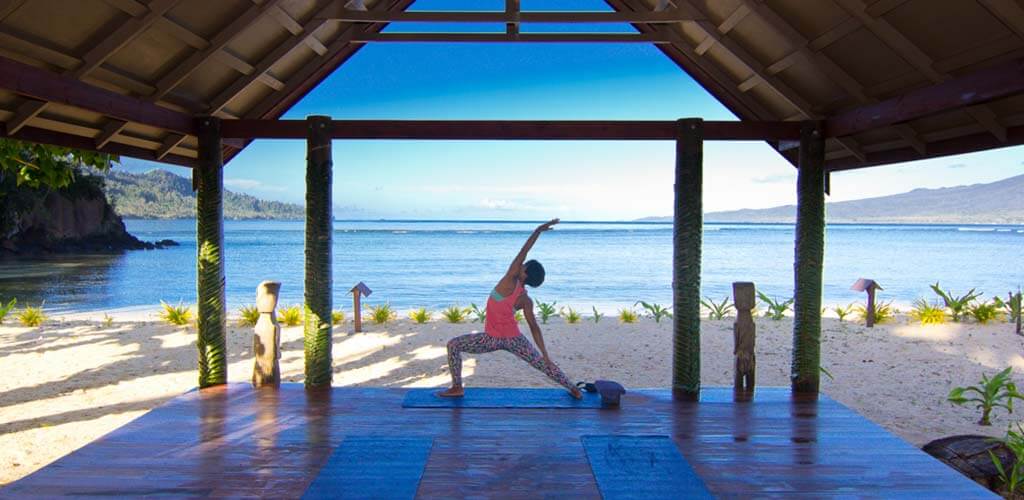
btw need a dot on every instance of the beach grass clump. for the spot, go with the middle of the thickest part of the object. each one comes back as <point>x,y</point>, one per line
<point>248,315</point>
<point>32,316</point>
<point>1011,306</point>
<point>928,313</point>
<point>991,393</point>
<point>843,311</point>
<point>597,315</point>
<point>627,316</point>
<point>382,313</point>
<point>884,312</point>
<point>455,314</point>
<point>6,308</point>
<point>571,316</point>
<point>1012,477</point>
<point>178,315</point>
<point>290,316</point>
<point>421,315</point>
<point>108,320</point>
<point>337,317</point>
<point>479,313</point>
<point>983,312</point>
<point>547,311</point>
<point>717,310</point>
<point>776,308</point>
<point>655,310</point>
<point>957,305</point>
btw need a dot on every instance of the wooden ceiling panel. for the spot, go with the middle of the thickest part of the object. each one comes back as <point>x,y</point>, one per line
<point>66,25</point>
<point>245,100</point>
<point>150,55</point>
<point>814,86</point>
<point>300,10</point>
<point>944,28</point>
<point>206,17</point>
<point>812,19</point>
<point>761,40</point>
<point>779,108</point>
<point>294,61</point>
<point>866,58</point>
<point>259,39</point>
<point>210,78</point>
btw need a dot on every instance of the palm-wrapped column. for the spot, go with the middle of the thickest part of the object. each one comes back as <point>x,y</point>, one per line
<point>810,254</point>
<point>317,333</point>
<point>686,247</point>
<point>210,322</point>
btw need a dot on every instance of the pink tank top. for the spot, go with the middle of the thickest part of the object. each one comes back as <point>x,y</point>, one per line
<point>501,315</point>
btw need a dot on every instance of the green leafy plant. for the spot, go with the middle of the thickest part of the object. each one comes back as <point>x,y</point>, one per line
<point>843,312</point>
<point>996,392</point>
<point>884,312</point>
<point>570,315</point>
<point>717,310</point>
<point>957,305</point>
<point>108,320</point>
<point>176,315</point>
<point>290,316</point>
<point>420,315</point>
<point>776,308</point>
<point>546,310</point>
<point>826,372</point>
<point>6,308</point>
<point>32,316</point>
<point>382,313</point>
<point>480,313</point>
<point>248,315</point>
<point>597,315</point>
<point>927,313</point>
<point>519,316</point>
<point>627,316</point>
<point>1012,305</point>
<point>454,314</point>
<point>337,317</point>
<point>655,310</point>
<point>983,312</point>
<point>1013,478</point>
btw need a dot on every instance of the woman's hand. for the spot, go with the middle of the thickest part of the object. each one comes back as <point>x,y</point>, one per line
<point>547,225</point>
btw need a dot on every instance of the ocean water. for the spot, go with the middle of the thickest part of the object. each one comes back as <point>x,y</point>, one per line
<point>608,265</point>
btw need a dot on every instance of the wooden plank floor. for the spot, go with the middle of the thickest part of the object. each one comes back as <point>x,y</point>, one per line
<point>239,442</point>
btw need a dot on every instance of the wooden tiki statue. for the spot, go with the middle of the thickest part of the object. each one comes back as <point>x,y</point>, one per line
<point>743,335</point>
<point>266,342</point>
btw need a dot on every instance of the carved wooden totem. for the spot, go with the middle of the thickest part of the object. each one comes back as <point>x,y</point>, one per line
<point>266,343</point>
<point>743,335</point>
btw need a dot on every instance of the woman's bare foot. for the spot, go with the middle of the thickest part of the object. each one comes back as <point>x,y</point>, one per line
<point>452,392</point>
<point>575,392</point>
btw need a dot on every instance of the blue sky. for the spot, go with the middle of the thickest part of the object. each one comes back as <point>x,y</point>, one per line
<point>535,179</point>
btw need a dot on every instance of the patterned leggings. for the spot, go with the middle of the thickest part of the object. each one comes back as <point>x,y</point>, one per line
<point>477,343</point>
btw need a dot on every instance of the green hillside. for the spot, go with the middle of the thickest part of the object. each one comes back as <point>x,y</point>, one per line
<point>159,194</point>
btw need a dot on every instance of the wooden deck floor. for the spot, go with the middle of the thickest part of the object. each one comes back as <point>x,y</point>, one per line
<point>236,441</point>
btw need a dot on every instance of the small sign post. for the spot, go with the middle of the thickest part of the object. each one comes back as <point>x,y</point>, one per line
<point>869,286</point>
<point>359,289</point>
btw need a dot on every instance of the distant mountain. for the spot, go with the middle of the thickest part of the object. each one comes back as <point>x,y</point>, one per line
<point>1000,202</point>
<point>159,194</point>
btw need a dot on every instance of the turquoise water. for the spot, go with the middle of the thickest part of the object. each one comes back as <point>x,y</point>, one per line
<point>608,265</point>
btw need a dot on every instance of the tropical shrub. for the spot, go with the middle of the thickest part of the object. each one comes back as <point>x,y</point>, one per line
<point>776,308</point>
<point>546,311</point>
<point>656,311</point>
<point>176,315</point>
<point>290,316</point>
<point>519,316</point>
<point>381,313</point>
<point>627,316</point>
<point>481,314</point>
<point>957,305</point>
<point>248,315</point>
<point>1012,305</point>
<point>421,315</point>
<point>337,317</point>
<point>597,315</point>
<point>32,316</point>
<point>454,314</point>
<point>1013,477</point>
<point>843,312</point>
<point>928,314</point>
<point>570,315</point>
<point>108,320</point>
<point>6,308</point>
<point>996,392</point>
<point>717,310</point>
<point>884,311</point>
<point>983,312</point>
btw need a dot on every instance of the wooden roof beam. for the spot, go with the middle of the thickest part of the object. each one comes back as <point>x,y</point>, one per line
<point>43,136</point>
<point>337,12</point>
<point>505,37</point>
<point>1008,12</point>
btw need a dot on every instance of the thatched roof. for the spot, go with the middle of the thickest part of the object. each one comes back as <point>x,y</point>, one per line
<point>765,60</point>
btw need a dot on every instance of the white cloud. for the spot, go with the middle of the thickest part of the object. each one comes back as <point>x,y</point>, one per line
<point>492,204</point>
<point>251,184</point>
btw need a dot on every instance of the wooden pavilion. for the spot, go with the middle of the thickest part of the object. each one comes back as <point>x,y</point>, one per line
<point>831,85</point>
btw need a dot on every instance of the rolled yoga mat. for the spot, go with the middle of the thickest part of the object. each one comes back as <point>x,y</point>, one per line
<point>491,397</point>
<point>641,467</point>
<point>372,467</point>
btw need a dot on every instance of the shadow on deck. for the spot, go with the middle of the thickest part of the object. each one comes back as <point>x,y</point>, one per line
<point>236,441</point>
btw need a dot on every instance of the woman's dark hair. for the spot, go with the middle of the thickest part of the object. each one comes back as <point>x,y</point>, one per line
<point>534,273</point>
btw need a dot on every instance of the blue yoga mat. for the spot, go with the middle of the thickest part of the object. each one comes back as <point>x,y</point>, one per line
<point>488,397</point>
<point>641,467</point>
<point>372,467</point>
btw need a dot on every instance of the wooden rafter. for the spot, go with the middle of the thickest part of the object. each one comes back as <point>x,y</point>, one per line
<point>337,12</point>
<point>44,136</point>
<point>505,37</point>
<point>1008,12</point>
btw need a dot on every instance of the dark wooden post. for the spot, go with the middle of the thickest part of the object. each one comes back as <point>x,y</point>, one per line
<point>688,220</point>
<point>810,253</point>
<point>360,290</point>
<point>208,180</point>
<point>744,331</point>
<point>319,221</point>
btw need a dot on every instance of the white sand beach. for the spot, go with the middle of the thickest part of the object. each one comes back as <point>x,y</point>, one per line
<point>76,378</point>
